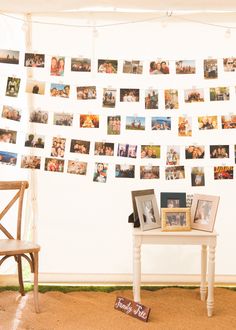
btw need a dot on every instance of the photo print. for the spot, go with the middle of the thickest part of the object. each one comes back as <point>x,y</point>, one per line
<point>127,150</point>
<point>34,60</point>
<point>219,94</point>
<point>207,122</point>
<point>100,172</point>
<point>229,64</point>
<point>203,212</point>
<point>57,67</point>
<point>89,121</point>
<point>175,219</point>
<point>172,155</point>
<point>86,93</point>
<point>63,119</point>
<point>8,56</point>
<point>174,172</point>
<point>134,67</point>
<point>8,158</point>
<point>149,172</point>
<point>185,67</point>
<point>13,86</point>
<point>223,172</point>
<point>129,95</point>
<point>228,121</point>
<point>171,99</point>
<point>60,90</point>
<point>150,151</point>
<point>194,152</point>
<point>197,177</point>
<point>54,165</point>
<point>76,167</point>
<point>7,136</point>
<point>58,147</point>
<point>194,95</point>
<point>161,123</point>
<point>34,141</point>
<point>80,146</point>
<point>109,98</point>
<point>124,171</point>
<point>173,199</point>
<point>135,123</point>
<point>185,126</point>
<point>107,66</point>
<point>11,113</point>
<point>35,87</point>
<point>219,151</point>
<point>38,116</point>
<point>113,125</point>
<point>159,67</point>
<point>151,99</point>
<point>210,69</point>
<point>30,162</point>
<point>104,149</point>
<point>81,64</point>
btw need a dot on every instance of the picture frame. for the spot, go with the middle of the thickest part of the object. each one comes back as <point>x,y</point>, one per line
<point>135,219</point>
<point>203,212</point>
<point>177,199</point>
<point>148,212</point>
<point>176,219</point>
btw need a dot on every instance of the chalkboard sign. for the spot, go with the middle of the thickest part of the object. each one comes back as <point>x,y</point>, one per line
<point>132,308</point>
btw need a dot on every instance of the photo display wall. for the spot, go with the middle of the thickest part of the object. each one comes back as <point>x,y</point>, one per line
<point>156,113</point>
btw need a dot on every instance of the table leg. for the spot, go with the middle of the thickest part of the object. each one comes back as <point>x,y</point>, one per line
<point>203,288</point>
<point>211,277</point>
<point>137,269</point>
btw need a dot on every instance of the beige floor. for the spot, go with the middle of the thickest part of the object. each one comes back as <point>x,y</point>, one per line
<point>171,309</point>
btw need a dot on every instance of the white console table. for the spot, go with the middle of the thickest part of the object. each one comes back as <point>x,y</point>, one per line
<point>193,237</point>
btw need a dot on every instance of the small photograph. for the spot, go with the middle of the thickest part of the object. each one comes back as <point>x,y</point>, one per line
<point>89,121</point>
<point>207,122</point>
<point>210,69</point>
<point>159,67</point>
<point>124,171</point>
<point>34,60</point>
<point>107,66</point>
<point>58,147</point>
<point>60,90</point>
<point>7,136</point>
<point>113,125</point>
<point>219,151</point>
<point>127,150</point>
<point>149,172</point>
<point>35,87</point>
<point>194,152</point>
<point>34,141</point>
<point>223,172</point>
<point>151,99</point>
<point>174,172</point>
<point>129,95</point>
<point>54,165</point>
<point>185,67</point>
<point>13,86</point>
<point>229,64</point>
<point>100,172</point>
<point>176,219</point>
<point>150,151</point>
<point>11,113</point>
<point>9,56</point>
<point>219,94</point>
<point>228,121</point>
<point>79,146</point>
<point>8,158</point>
<point>104,149</point>
<point>30,162</point>
<point>135,123</point>
<point>81,64</point>
<point>161,123</point>
<point>135,67</point>
<point>57,66</point>
<point>86,93</point>
<point>109,98</point>
<point>194,95</point>
<point>171,99</point>
<point>38,116</point>
<point>185,126</point>
<point>173,155</point>
<point>63,119</point>
<point>173,199</point>
<point>197,177</point>
<point>76,167</point>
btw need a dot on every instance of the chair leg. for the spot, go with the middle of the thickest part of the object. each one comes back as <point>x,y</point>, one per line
<point>20,277</point>
<point>36,299</point>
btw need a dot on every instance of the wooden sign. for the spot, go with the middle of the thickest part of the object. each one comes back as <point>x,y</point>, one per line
<point>132,308</point>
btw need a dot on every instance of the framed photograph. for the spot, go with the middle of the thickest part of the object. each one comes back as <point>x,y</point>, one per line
<point>134,194</point>
<point>148,212</point>
<point>173,199</point>
<point>203,212</point>
<point>176,219</point>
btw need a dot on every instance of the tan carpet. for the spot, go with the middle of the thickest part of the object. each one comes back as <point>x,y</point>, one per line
<point>171,308</point>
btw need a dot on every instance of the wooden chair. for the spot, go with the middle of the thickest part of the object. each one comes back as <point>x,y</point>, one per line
<point>15,247</point>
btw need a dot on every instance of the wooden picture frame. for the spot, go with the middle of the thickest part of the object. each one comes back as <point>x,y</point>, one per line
<point>176,219</point>
<point>173,199</point>
<point>135,193</point>
<point>203,212</point>
<point>148,212</point>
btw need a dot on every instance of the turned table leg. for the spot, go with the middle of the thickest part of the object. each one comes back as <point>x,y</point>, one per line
<point>203,288</point>
<point>211,276</point>
<point>136,269</point>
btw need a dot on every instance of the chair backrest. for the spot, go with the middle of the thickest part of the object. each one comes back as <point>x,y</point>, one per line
<point>20,186</point>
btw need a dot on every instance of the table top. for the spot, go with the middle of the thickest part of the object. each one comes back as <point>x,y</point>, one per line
<point>159,232</point>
